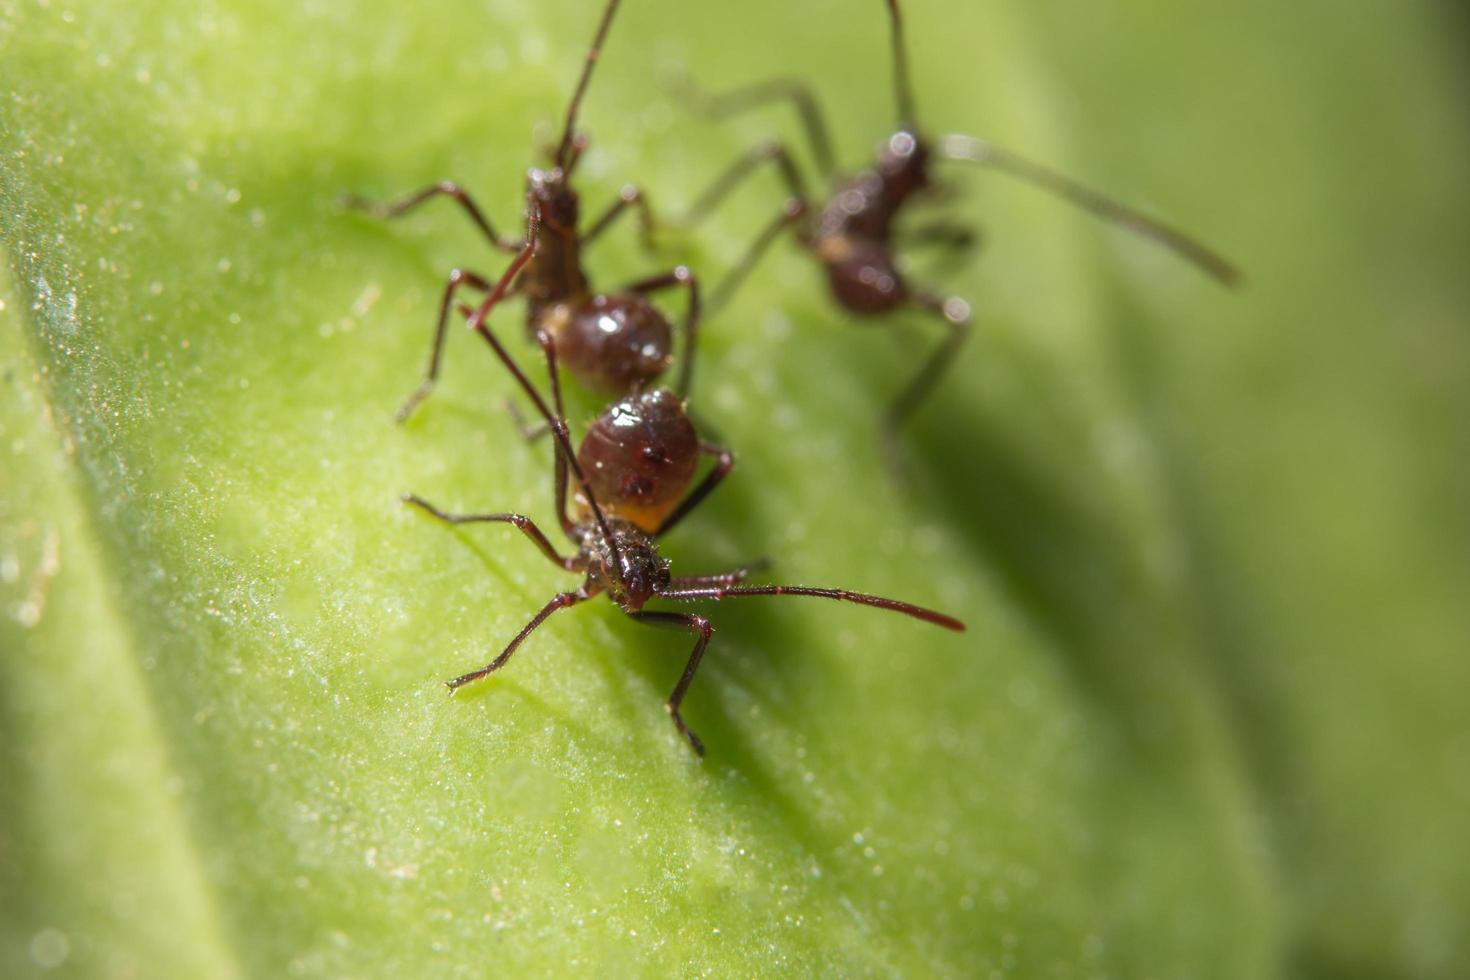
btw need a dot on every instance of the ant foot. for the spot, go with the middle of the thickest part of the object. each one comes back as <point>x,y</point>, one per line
<point>684,730</point>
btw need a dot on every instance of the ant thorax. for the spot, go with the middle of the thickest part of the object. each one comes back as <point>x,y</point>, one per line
<point>554,273</point>
<point>639,457</point>
<point>865,205</point>
<point>637,573</point>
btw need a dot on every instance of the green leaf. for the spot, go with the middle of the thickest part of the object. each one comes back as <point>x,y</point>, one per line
<point>1208,716</point>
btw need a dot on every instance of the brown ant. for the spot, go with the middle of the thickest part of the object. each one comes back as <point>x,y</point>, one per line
<point>613,343</point>
<point>617,555</point>
<point>852,234</point>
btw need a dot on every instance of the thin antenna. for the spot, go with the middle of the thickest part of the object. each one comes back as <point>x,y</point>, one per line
<point>592,54</point>
<point>861,598</point>
<point>903,92</point>
<point>974,150</point>
<point>558,431</point>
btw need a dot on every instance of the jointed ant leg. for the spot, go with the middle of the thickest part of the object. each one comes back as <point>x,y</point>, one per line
<point>724,462</point>
<point>944,234</point>
<point>742,168</point>
<point>457,278</point>
<point>956,314</point>
<point>561,601</point>
<point>530,431</point>
<point>446,188</point>
<point>692,624</point>
<point>524,524</point>
<point>680,276</point>
<point>635,197</point>
<point>793,211</point>
<point>753,96</point>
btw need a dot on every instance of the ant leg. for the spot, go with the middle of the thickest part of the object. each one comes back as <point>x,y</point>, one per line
<point>524,524</point>
<point>680,276</point>
<point>944,234</point>
<point>724,462</point>
<point>793,211</point>
<point>445,188</point>
<point>724,578</point>
<point>739,100</point>
<point>647,223</point>
<point>457,278</point>
<point>956,314</point>
<point>735,175</point>
<point>561,601</point>
<point>692,624</point>
<point>971,149</point>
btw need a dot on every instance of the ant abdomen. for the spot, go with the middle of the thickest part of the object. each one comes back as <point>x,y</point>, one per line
<point>615,344</point>
<point>640,456</point>
<point>863,275</point>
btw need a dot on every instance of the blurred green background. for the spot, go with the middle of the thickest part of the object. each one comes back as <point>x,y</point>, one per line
<point>1213,548</point>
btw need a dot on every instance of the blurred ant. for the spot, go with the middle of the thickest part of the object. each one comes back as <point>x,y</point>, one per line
<point>616,553</point>
<point>613,343</point>
<point>853,232</point>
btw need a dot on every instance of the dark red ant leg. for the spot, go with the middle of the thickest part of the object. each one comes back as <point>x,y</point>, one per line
<point>749,97</point>
<point>793,211</point>
<point>628,196</point>
<point>861,598</point>
<point>530,431</point>
<point>521,522</point>
<point>548,348</point>
<point>956,313</point>
<point>680,276</point>
<point>742,168</point>
<point>446,188</point>
<point>561,601</point>
<point>944,234</point>
<point>724,462</point>
<point>974,150</point>
<point>690,623</point>
<point>457,278</point>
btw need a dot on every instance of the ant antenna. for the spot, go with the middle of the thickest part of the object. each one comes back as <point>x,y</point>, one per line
<point>903,92</point>
<point>975,150</point>
<point>556,424</point>
<point>842,595</point>
<point>592,53</point>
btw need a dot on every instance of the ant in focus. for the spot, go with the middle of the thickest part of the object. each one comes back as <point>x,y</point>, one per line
<point>612,343</point>
<point>853,232</point>
<point>617,555</point>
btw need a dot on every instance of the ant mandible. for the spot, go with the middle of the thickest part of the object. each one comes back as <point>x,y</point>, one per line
<point>614,555</point>
<point>853,232</point>
<point>613,343</point>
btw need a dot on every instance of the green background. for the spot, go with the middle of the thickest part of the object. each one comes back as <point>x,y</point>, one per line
<point>1213,548</point>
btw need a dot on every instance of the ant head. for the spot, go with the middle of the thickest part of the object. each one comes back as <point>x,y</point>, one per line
<point>640,456</point>
<point>632,575</point>
<point>616,344</point>
<point>549,194</point>
<point>903,162</point>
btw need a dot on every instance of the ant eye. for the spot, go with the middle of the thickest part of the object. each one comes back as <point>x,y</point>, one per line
<point>902,144</point>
